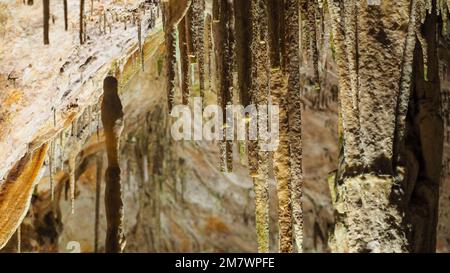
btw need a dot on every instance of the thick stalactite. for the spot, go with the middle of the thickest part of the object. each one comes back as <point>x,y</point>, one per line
<point>112,119</point>
<point>260,93</point>
<point>281,156</point>
<point>172,15</point>
<point>295,117</point>
<point>81,21</point>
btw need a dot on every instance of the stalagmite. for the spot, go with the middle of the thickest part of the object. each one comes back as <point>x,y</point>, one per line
<point>46,4</point>
<point>112,119</point>
<point>295,117</point>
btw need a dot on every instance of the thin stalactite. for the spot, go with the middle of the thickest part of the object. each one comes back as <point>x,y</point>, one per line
<point>19,239</point>
<point>198,27</point>
<point>208,48</point>
<point>81,21</point>
<point>184,62</point>
<point>313,43</point>
<point>46,10</point>
<point>51,158</point>
<point>141,46</point>
<point>66,23</point>
<point>72,181</point>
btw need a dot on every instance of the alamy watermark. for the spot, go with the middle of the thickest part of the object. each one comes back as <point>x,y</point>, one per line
<point>254,122</point>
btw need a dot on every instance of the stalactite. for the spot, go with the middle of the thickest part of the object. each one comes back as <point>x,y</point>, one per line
<point>81,21</point>
<point>260,92</point>
<point>90,119</point>
<point>252,145</point>
<point>54,116</point>
<point>198,24</point>
<point>291,21</point>
<point>112,119</point>
<point>85,29</point>
<point>424,45</point>
<point>313,42</point>
<point>281,155</point>
<point>105,21</point>
<point>46,4</point>
<point>66,23</point>
<point>51,157</point>
<point>72,167</point>
<point>350,123</point>
<point>223,45</point>
<point>98,188</point>
<point>184,61</point>
<point>351,43</point>
<point>98,127</point>
<point>243,51</point>
<point>189,39</point>
<point>170,65</point>
<point>19,239</point>
<point>208,47</point>
<point>61,151</point>
<point>141,49</point>
<point>405,81</point>
<point>305,29</point>
<point>169,24</point>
